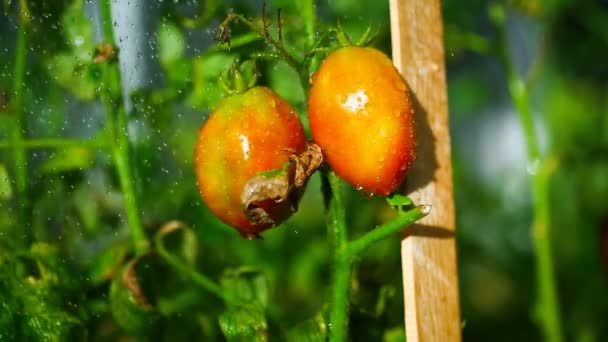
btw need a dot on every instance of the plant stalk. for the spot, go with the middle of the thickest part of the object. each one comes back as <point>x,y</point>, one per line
<point>116,124</point>
<point>19,153</point>
<point>547,306</point>
<point>336,226</point>
<point>405,219</point>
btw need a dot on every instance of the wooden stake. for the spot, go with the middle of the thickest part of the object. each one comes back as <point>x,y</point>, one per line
<point>430,280</point>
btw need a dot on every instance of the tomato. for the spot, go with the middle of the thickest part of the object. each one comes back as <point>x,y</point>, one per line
<point>362,117</point>
<point>247,134</point>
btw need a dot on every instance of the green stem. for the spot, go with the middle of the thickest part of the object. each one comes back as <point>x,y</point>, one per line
<point>547,306</point>
<point>274,44</point>
<point>19,154</point>
<point>357,246</point>
<point>199,279</point>
<point>53,143</point>
<point>336,226</point>
<point>119,137</point>
<point>307,11</point>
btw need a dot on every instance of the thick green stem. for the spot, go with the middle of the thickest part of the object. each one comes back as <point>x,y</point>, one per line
<point>357,246</point>
<point>19,153</point>
<point>119,137</point>
<point>547,306</point>
<point>336,226</point>
<point>547,309</point>
<point>307,12</point>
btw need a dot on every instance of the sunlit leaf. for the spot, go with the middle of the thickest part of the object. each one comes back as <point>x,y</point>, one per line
<point>171,43</point>
<point>78,78</point>
<point>78,31</point>
<point>72,68</point>
<point>73,158</point>
<point>244,323</point>
<point>398,200</point>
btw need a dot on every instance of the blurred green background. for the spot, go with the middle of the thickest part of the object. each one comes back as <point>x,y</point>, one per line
<point>64,234</point>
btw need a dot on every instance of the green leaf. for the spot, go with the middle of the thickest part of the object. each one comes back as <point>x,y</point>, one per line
<point>8,309</point>
<point>6,191</point>
<point>74,76</point>
<point>69,159</point>
<point>47,323</point>
<point>43,294</point>
<point>244,323</point>
<point>206,69</point>
<point>171,43</point>
<point>398,200</point>
<point>108,262</point>
<point>246,284</point>
<point>311,330</point>
<point>73,69</point>
<point>78,31</point>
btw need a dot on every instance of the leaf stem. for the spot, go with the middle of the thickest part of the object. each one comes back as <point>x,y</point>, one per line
<point>116,122</point>
<point>199,279</point>
<point>405,219</point>
<point>274,44</point>
<point>53,143</point>
<point>547,306</point>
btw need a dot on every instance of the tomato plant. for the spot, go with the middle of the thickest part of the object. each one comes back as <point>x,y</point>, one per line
<point>362,116</point>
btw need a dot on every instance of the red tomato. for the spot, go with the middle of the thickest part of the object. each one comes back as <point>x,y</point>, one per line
<point>247,133</point>
<point>361,115</point>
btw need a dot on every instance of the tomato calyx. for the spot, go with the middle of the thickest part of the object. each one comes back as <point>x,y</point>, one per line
<point>239,77</point>
<point>366,39</point>
<point>284,185</point>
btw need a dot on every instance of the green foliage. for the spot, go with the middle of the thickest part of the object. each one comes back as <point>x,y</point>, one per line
<point>68,267</point>
<point>74,69</point>
<point>244,323</point>
<point>36,295</point>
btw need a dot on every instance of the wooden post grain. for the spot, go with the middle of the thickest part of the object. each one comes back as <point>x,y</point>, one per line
<point>430,280</point>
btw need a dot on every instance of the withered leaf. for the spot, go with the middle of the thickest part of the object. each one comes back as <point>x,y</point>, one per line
<point>285,186</point>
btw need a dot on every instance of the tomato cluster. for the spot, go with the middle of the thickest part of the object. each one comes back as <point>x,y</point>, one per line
<point>251,153</point>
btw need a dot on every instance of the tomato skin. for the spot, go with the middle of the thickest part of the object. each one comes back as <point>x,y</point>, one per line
<point>361,115</point>
<point>247,133</point>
